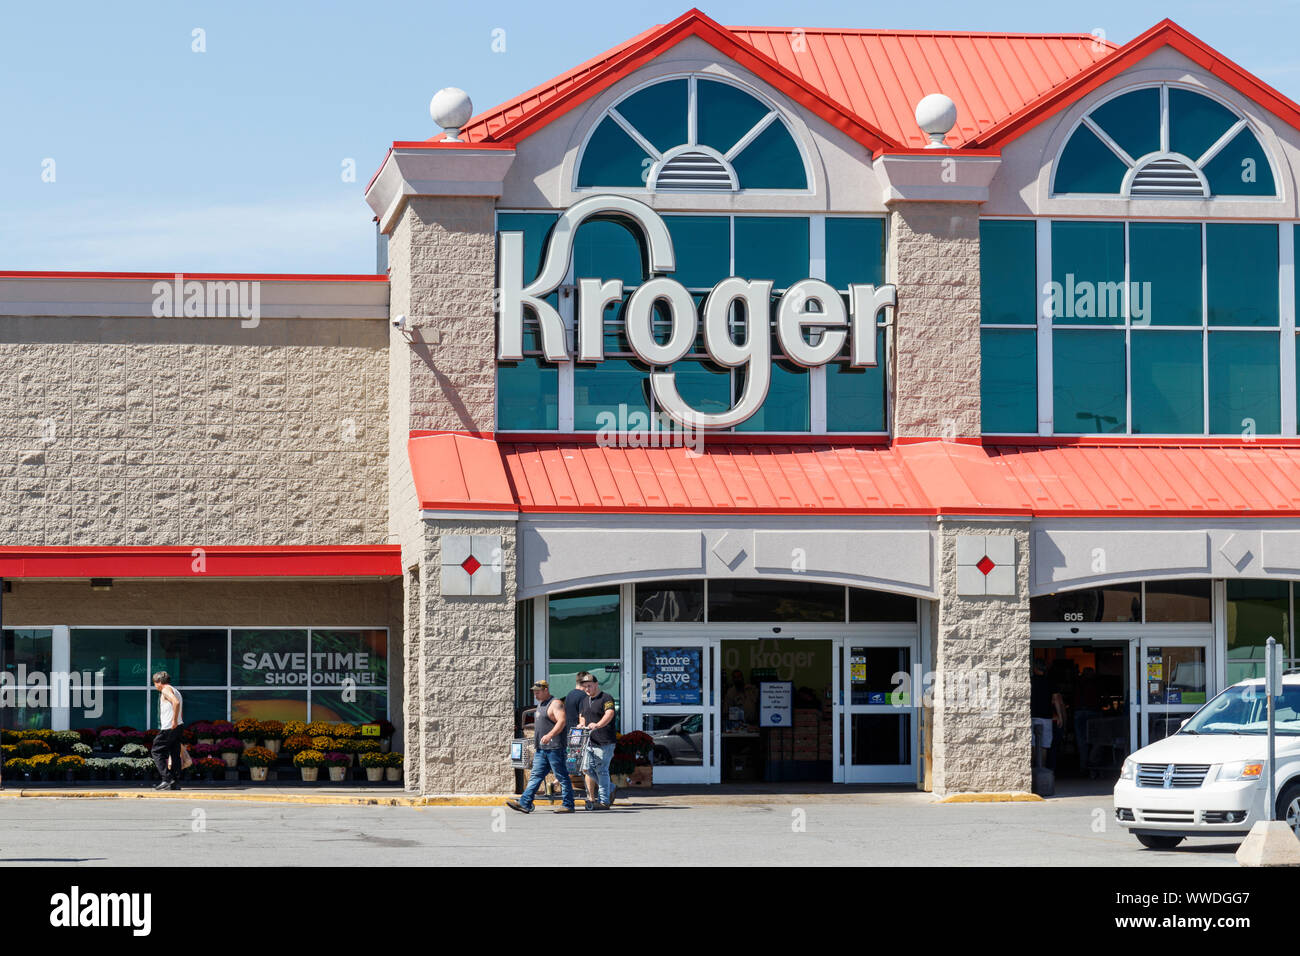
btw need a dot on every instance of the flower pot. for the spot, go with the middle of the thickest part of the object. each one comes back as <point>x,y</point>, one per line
<point>393,774</point>
<point>385,743</point>
<point>375,774</point>
<point>230,760</point>
<point>309,774</point>
<point>258,773</point>
<point>249,743</point>
<point>338,774</point>
<point>272,745</point>
<point>641,777</point>
<point>619,780</point>
<point>207,740</point>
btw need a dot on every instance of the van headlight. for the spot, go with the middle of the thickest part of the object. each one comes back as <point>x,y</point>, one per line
<point>1242,770</point>
<point>1129,770</point>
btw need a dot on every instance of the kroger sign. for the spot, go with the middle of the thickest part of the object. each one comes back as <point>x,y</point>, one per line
<point>794,313</point>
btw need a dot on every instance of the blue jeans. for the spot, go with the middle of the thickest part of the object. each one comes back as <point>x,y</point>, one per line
<point>544,761</point>
<point>601,755</point>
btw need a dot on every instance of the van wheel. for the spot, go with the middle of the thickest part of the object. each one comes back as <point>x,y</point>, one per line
<point>1158,842</point>
<point>1288,807</point>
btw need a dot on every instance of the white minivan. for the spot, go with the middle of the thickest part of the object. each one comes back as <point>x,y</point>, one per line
<point>1208,778</point>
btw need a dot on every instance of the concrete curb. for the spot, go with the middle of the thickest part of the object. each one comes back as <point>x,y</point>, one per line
<point>1016,796</point>
<point>247,797</point>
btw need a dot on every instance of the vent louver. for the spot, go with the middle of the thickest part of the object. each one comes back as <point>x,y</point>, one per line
<point>1166,177</point>
<point>694,171</point>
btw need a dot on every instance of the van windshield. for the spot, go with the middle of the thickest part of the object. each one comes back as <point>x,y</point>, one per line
<point>1244,710</point>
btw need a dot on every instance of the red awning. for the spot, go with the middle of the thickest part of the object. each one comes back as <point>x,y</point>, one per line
<point>810,475</point>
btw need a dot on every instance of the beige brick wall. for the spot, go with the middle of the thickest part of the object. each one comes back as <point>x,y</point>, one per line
<point>135,431</point>
<point>467,661</point>
<point>976,748</point>
<point>443,261</point>
<point>934,260</point>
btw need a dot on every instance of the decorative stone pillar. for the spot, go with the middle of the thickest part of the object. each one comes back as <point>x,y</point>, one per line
<point>982,738</point>
<point>437,204</point>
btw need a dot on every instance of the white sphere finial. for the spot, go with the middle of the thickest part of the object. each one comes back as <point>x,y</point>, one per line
<point>451,109</point>
<point>936,114</point>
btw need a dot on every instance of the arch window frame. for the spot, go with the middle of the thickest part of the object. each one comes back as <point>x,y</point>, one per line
<point>661,157</point>
<point>1136,164</point>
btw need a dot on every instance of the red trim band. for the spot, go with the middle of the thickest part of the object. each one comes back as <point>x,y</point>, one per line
<point>198,276</point>
<point>216,561</point>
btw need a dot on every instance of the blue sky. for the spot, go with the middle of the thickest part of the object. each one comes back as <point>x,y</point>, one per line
<point>166,159</point>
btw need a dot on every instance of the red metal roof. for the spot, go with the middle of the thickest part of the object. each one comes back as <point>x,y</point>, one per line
<point>812,476</point>
<point>208,561</point>
<point>873,78</point>
<point>882,74</point>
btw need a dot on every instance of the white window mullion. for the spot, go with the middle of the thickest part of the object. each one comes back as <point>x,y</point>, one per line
<point>1286,303</point>
<point>1205,329</point>
<point>60,663</point>
<point>568,295</point>
<point>1128,343</point>
<point>1043,270</point>
<point>540,652</point>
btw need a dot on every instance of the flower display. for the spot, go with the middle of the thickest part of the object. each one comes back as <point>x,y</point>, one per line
<point>81,750</point>
<point>272,730</point>
<point>73,763</point>
<point>319,728</point>
<point>230,745</point>
<point>309,758</point>
<point>395,759</point>
<point>322,743</point>
<point>223,728</point>
<point>346,731</point>
<point>30,748</point>
<point>294,728</point>
<point>336,758</point>
<point>371,760</point>
<point>207,750</point>
<point>248,729</point>
<point>297,742</point>
<point>257,757</point>
<point>134,750</point>
<point>202,728</point>
<point>209,764</point>
<point>110,738</point>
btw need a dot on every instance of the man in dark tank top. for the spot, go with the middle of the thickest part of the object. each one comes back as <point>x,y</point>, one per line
<point>548,742</point>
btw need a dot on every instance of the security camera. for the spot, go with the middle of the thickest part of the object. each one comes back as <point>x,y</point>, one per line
<point>399,323</point>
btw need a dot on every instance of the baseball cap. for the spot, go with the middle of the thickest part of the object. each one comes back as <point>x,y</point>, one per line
<point>541,685</point>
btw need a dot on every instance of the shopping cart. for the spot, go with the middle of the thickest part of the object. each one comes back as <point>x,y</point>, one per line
<point>577,754</point>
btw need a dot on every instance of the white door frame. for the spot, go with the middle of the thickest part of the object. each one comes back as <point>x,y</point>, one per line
<point>882,635</point>
<point>709,771</point>
<point>1190,637</point>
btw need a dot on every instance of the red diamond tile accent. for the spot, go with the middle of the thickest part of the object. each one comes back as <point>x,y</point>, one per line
<point>985,565</point>
<point>471,564</point>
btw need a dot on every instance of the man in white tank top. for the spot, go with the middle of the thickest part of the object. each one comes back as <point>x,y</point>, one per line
<point>166,750</point>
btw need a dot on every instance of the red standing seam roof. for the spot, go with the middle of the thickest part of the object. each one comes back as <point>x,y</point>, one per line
<point>1086,479</point>
<point>876,75</point>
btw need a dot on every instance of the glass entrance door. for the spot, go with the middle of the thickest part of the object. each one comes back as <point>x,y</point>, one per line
<point>879,704</point>
<point>677,707</point>
<point>1173,678</point>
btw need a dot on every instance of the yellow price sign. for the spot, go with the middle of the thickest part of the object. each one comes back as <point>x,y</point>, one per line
<point>369,730</point>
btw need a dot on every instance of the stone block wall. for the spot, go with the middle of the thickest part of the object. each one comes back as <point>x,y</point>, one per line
<point>982,734</point>
<point>144,431</point>
<point>934,260</point>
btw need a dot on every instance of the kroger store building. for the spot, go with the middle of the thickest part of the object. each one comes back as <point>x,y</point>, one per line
<point>1029,394</point>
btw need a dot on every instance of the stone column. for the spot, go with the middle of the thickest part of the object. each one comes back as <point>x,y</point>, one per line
<point>468,659</point>
<point>934,261</point>
<point>982,734</point>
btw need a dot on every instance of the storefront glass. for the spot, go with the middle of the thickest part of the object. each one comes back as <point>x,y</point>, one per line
<point>775,601</point>
<point>1169,601</point>
<point>1117,603</point>
<point>1257,610</point>
<point>670,601</point>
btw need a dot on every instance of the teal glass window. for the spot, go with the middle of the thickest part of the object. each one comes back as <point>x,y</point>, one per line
<point>599,391</point>
<point>1008,381</point>
<point>1241,169</point>
<point>1088,388</point>
<point>1132,121</point>
<point>725,114</point>
<point>659,113</point>
<point>855,251</point>
<point>1008,272</point>
<point>1130,137</point>
<point>771,161</point>
<point>787,408</point>
<point>584,624</point>
<point>855,397</point>
<point>1245,383</point>
<point>1088,273</point>
<point>1167,255</point>
<point>1087,165</point>
<point>536,227</point>
<point>704,386</point>
<point>612,158</point>
<point>1166,381</point>
<point>604,249</point>
<point>703,248</point>
<point>1242,266</point>
<point>772,247</point>
<point>1196,122</point>
<point>528,396</point>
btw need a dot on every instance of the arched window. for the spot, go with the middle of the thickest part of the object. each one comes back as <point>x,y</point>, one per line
<point>692,134</point>
<point>1164,142</point>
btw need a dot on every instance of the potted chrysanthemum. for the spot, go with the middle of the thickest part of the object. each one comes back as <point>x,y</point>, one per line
<point>309,762</point>
<point>394,766</point>
<point>338,761</point>
<point>272,734</point>
<point>374,764</point>
<point>229,749</point>
<point>258,760</point>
